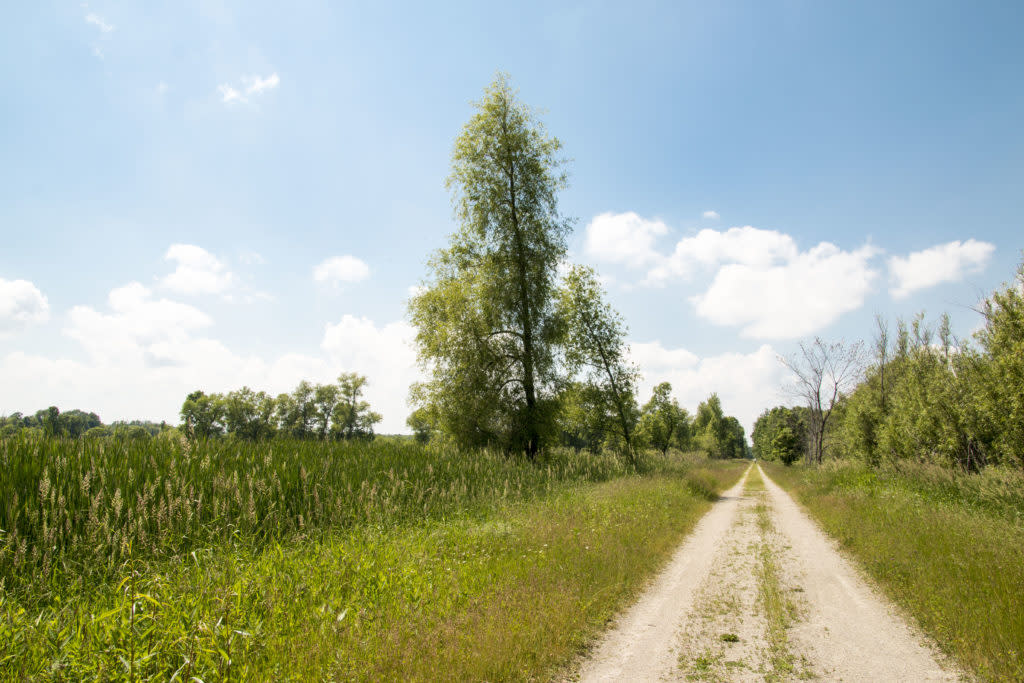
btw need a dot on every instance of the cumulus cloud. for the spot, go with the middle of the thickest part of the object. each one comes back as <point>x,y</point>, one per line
<point>339,269</point>
<point>792,299</point>
<point>760,279</point>
<point>21,305</point>
<point>197,272</point>
<point>948,262</point>
<point>713,215</point>
<point>624,238</point>
<point>144,354</point>
<point>136,328</point>
<point>747,383</point>
<point>747,245</point>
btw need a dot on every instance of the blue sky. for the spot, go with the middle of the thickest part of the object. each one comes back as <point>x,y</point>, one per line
<point>174,173</point>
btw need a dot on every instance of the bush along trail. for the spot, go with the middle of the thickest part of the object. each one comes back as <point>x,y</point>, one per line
<point>756,593</point>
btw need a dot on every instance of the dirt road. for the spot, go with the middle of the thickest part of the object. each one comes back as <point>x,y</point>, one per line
<point>758,592</point>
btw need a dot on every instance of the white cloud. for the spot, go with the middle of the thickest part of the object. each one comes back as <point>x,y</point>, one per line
<point>948,262</point>
<point>792,299</point>
<point>229,94</point>
<point>254,85</point>
<point>137,327</point>
<point>144,354</point>
<point>338,269</point>
<point>97,21</point>
<point>251,85</point>
<point>761,280</point>
<point>747,245</point>
<point>624,238</point>
<point>21,305</point>
<point>746,383</point>
<point>713,215</point>
<point>197,272</point>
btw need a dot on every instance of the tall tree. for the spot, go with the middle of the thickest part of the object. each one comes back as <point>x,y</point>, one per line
<point>487,328</point>
<point>202,415</point>
<point>663,420</point>
<point>596,348</point>
<point>352,417</point>
<point>711,428</point>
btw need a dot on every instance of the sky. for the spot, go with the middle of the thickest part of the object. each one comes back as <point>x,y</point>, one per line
<point>206,195</point>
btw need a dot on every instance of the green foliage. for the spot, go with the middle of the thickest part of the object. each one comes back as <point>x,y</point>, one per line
<point>780,433</point>
<point>496,587</point>
<point>351,416</point>
<point>84,507</point>
<point>312,411</point>
<point>663,423</point>
<point>595,353</point>
<point>51,422</point>
<point>931,398</point>
<point>423,424</point>
<point>1000,379</point>
<point>715,433</point>
<point>486,324</point>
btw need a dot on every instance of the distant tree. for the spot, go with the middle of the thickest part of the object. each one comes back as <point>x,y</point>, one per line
<point>487,329</point>
<point>325,398</point>
<point>823,372</point>
<point>51,421</point>
<point>582,422</point>
<point>296,412</point>
<point>352,418</point>
<point>785,446</point>
<point>662,420</point>
<point>596,351</point>
<point>771,422</point>
<point>422,424</point>
<point>249,414</point>
<point>711,432</point>
<point>202,415</point>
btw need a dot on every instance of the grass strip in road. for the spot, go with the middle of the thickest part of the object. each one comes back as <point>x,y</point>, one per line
<point>513,593</point>
<point>779,610</point>
<point>947,548</point>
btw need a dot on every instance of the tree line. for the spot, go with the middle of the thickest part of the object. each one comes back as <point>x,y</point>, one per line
<point>918,394</point>
<point>311,411</point>
<point>75,423</point>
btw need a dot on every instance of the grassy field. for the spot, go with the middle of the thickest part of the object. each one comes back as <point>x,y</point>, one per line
<point>304,561</point>
<point>947,547</point>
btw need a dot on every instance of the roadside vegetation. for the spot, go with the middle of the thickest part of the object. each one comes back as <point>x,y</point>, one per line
<point>946,546</point>
<point>471,564</point>
<point>913,458</point>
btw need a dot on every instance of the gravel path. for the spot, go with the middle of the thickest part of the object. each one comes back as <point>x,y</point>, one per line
<point>838,627</point>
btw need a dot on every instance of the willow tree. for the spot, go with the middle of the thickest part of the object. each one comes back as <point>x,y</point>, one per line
<point>487,326</point>
<point>596,350</point>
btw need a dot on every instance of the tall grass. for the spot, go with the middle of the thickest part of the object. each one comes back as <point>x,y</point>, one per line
<point>83,508</point>
<point>948,547</point>
<point>304,561</point>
